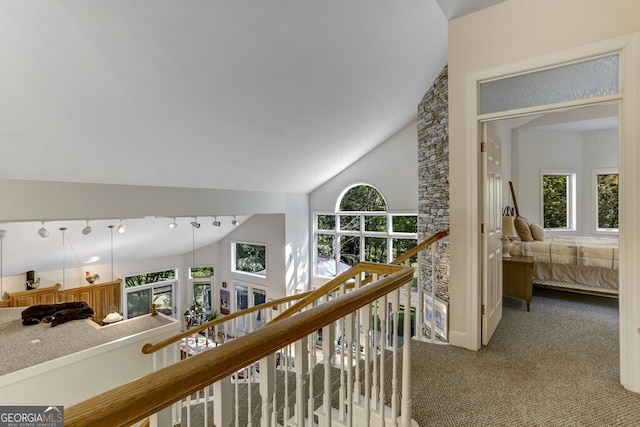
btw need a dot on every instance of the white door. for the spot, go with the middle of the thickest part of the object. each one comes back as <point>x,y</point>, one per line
<point>491,231</point>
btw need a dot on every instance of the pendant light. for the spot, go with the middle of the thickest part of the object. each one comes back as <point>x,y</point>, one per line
<point>63,229</point>
<point>111,229</point>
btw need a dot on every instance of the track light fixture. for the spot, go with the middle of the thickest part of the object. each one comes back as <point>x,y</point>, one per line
<point>121,227</point>
<point>235,223</point>
<point>87,229</point>
<point>43,232</point>
<point>173,224</point>
<point>215,222</point>
<point>195,223</point>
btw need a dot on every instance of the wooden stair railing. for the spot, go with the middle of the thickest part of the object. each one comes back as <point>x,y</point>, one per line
<point>344,277</point>
<point>145,396</point>
<point>149,348</point>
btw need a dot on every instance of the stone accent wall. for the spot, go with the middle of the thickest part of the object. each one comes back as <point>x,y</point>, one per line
<point>433,182</point>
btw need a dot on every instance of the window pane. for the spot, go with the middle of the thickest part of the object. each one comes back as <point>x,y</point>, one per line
<point>349,252</point>
<point>588,79</point>
<point>163,299</point>
<point>375,249</point>
<point>251,258</point>
<point>138,303</point>
<point>405,223</point>
<point>202,295</point>
<point>153,277</point>
<point>555,201</point>
<point>325,261</point>
<point>608,201</point>
<point>362,198</point>
<point>201,272</point>
<point>402,246</point>
<point>326,222</point>
<point>375,223</point>
<point>350,222</point>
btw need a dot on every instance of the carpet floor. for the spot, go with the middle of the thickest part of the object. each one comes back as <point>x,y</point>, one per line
<point>557,365</point>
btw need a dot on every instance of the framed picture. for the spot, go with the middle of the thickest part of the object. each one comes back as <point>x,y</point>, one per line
<point>428,310</point>
<point>442,318</point>
<point>436,316</point>
<point>225,301</point>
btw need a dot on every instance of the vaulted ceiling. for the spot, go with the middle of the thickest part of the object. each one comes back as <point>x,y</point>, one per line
<point>267,95</point>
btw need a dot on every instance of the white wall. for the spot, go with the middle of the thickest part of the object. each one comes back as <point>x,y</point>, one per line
<point>263,229</point>
<point>580,152</point>
<point>510,37</point>
<point>392,168</point>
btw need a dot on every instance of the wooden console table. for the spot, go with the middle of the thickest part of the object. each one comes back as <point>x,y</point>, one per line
<point>517,279</point>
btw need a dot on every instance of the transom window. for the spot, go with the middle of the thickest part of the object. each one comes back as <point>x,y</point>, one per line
<point>559,200</point>
<point>360,229</point>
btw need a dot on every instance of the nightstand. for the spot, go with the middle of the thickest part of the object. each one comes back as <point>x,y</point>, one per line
<point>517,279</point>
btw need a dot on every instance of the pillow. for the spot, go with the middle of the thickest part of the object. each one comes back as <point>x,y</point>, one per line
<point>537,232</point>
<point>523,229</point>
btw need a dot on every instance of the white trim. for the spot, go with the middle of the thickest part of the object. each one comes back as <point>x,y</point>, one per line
<point>629,49</point>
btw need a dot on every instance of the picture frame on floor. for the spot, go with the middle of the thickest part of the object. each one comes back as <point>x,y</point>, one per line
<point>436,316</point>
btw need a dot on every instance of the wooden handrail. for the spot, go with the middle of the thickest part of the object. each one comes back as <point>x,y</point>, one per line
<point>149,348</point>
<point>420,246</point>
<point>353,271</point>
<point>336,282</point>
<point>140,398</point>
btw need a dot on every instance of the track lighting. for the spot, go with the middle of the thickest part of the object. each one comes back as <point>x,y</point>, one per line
<point>121,227</point>
<point>235,223</point>
<point>215,222</point>
<point>43,232</point>
<point>174,224</point>
<point>87,229</point>
<point>195,223</point>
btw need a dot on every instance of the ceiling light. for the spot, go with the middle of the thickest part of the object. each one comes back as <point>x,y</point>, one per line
<point>174,224</point>
<point>215,222</point>
<point>87,229</point>
<point>121,227</point>
<point>235,223</point>
<point>195,223</point>
<point>43,232</point>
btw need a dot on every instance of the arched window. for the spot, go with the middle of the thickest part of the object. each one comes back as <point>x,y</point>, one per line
<point>360,229</point>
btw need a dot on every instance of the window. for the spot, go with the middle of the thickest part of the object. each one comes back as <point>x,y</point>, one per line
<point>249,296</point>
<point>249,258</point>
<point>360,229</point>
<point>201,279</point>
<point>606,200</point>
<point>142,290</point>
<point>559,200</point>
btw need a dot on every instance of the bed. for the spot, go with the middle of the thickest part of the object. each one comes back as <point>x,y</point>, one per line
<point>584,264</point>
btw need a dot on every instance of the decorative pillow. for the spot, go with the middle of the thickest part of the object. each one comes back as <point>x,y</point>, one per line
<point>537,232</point>
<point>523,229</point>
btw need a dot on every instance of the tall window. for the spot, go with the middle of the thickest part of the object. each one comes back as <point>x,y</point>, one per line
<point>606,199</point>
<point>360,229</point>
<point>249,258</point>
<point>559,200</point>
<point>201,279</point>
<point>156,287</point>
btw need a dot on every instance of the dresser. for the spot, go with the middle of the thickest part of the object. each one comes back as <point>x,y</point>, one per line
<point>517,279</point>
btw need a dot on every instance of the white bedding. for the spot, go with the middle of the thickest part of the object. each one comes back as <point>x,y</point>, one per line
<point>583,263</point>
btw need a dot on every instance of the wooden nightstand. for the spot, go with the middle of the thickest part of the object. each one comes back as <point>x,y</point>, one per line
<point>517,278</point>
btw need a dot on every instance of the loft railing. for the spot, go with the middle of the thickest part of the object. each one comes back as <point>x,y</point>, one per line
<point>347,337</point>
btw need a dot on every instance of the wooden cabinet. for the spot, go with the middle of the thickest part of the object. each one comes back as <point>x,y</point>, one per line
<point>102,297</point>
<point>106,296</point>
<point>49,295</point>
<point>517,279</point>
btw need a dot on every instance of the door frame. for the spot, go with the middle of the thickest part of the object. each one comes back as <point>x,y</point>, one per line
<point>628,98</point>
